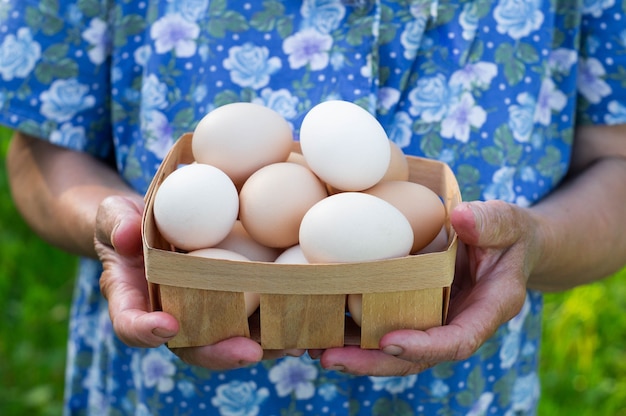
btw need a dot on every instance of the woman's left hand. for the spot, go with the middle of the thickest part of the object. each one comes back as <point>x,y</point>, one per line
<point>498,246</point>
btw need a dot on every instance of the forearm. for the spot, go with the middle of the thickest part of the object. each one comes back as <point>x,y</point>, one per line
<point>581,231</point>
<point>58,191</point>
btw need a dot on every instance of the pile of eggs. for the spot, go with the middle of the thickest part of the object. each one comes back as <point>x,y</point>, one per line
<point>249,197</point>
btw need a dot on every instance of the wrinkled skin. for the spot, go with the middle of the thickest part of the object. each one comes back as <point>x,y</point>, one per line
<point>494,261</point>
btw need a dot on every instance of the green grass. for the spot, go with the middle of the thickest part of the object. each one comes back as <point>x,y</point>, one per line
<point>583,362</point>
<point>35,289</point>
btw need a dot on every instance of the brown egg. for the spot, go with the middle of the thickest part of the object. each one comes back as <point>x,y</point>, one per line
<point>252,300</point>
<point>355,307</point>
<point>440,243</point>
<point>295,157</point>
<point>421,206</point>
<point>398,165</point>
<point>239,241</point>
<point>273,201</point>
<point>240,138</point>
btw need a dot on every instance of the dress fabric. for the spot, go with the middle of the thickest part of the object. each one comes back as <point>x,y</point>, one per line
<point>493,88</point>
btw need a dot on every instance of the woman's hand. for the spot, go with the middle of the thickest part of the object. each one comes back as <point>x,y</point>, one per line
<point>497,251</point>
<point>123,284</point>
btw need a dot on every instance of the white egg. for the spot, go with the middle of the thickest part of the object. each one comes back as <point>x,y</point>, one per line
<point>354,227</point>
<point>196,206</point>
<point>293,255</point>
<point>345,145</point>
<point>252,300</point>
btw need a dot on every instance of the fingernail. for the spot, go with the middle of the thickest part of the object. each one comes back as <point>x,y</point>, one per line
<point>337,367</point>
<point>393,350</point>
<point>294,353</point>
<point>163,333</point>
<point>244,363</point>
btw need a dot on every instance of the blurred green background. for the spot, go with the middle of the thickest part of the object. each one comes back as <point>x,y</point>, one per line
<point>583,362</point>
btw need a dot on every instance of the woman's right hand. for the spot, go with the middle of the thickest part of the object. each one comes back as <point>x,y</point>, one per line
<point>123,283</point>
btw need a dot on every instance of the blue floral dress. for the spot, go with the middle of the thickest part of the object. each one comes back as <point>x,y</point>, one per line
<point>492,87</point>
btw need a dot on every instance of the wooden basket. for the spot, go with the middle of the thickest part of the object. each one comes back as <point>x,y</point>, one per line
<point>302,306</point>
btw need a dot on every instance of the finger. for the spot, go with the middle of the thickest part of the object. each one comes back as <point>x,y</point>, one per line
<point>472,322</point>
<point>274,354</point>
<point>126,290</point>
<point>123,283</point>
<point>119,224</point>
<point>357,361</point>
<point>225,355</point>
<point>487,224</point>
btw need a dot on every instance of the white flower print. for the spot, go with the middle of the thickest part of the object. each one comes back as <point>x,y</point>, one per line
<point>173,32</point>
<point>516,323</point>
<point>461,117</point>
<point>411,37</point>
<point>18,54</point>
<point>617,113</point>
<point>525,392</point>
<point>239,398</point>
<point>293,374</point>
<point>158,371</point>
<point>561,60</point>
<point>430,98</point>
<point>400,132</point>
<point>550,99</point>
<point>158,133</point>
<point>97,35</point>
<point>69,136</point>
<point>478,75</point>
<point>322,15</point>
<point>393,385</point>
<point>281,101</point>
<point>308,47</point>
<point>501,186</point>
<point>590,83</point>
<point>250,65</point>
<point>469,20</point>
<point>142,54</point>
<point>596,7</point>
<point>64,99</point>
<point>387,98</point>
<point>192,10</point>
<point>518,18</point>
<point>482,405</point>
<point>521,116</point>
<point>154,93</point>
<point>510,349</point>
<point>328,391</point>
<point>366,70</point>
<point>439,389</point>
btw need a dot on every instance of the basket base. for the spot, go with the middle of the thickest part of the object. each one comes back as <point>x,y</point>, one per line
<point>202,315</point>
<point>302,321</point>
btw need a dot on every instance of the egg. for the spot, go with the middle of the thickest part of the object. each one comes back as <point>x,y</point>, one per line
<point>421,206</point>
<point>440,243</point>
<point>292,255</point>
<point>239,241</point>
<point>240,138</point>
<point>252,300</point>
<point>196,206</point>
<point>354,227</point>
<point>355,307</point>
<point>273,201</point>
<point>295,157</point>
<point>345,145</point>
<point>398,169</point>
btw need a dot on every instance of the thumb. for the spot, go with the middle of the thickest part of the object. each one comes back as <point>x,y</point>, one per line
<point>119,223</point>
<point>490,224</point>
